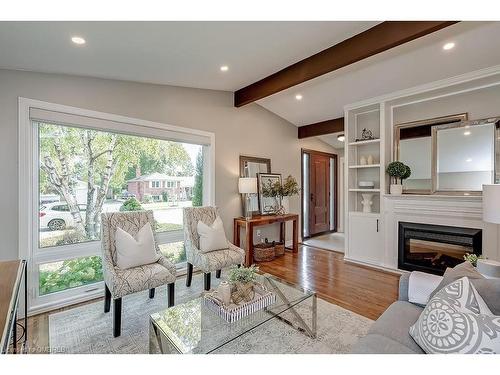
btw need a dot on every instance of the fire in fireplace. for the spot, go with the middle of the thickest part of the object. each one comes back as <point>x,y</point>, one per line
<point>433,248</point>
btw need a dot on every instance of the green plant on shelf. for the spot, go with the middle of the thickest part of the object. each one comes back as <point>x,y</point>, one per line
<point>399,171</point>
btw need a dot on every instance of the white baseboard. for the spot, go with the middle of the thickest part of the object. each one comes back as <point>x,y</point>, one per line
<point>371,265</point>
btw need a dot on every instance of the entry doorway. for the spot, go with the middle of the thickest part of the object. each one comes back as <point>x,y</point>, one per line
<point>319,193</point>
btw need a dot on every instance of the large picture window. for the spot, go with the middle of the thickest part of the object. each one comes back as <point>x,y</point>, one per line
<point>83,171</point>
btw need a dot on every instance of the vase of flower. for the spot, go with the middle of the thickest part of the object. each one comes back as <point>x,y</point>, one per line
<point>285,203</point>
<point>281,192</point>
<point>289,189</point>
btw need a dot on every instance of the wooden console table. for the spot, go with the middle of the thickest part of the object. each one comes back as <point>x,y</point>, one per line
<point>11,276</point>
<point>256,221</point>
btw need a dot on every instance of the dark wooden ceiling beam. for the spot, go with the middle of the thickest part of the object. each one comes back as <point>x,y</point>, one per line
<point>379,38</point>
<point>321,128</point>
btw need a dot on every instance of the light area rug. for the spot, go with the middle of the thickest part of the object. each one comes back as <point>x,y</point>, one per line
<point>87,329</point>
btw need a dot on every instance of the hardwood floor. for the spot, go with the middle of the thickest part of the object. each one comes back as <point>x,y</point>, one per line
<point>363,290</point>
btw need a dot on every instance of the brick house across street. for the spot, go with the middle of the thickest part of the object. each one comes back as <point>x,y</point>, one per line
<point>155,184</point>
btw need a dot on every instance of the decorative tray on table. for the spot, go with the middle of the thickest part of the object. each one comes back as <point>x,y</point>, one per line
<point>233,312</point>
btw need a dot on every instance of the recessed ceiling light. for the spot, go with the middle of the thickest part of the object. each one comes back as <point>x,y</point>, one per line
<point>78,40</point>
<point>341,138</point>
<point>468,160</point>
<point>448,46</point>
<point>467,132</point>
<point>224,68</point>
<point>298,97</point>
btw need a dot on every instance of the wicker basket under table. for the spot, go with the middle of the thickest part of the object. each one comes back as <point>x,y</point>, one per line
<point>263,252</point>
<point>279,249</point>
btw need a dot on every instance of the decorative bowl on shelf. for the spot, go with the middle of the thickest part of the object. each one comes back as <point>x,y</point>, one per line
<point>366,184</point>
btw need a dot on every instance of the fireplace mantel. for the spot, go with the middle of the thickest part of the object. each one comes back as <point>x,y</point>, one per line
<point>460,211</point>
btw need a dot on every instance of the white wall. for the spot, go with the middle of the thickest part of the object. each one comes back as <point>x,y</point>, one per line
<point>250,130</point>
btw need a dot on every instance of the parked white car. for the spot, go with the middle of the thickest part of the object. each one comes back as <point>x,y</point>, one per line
<point>56,216</point>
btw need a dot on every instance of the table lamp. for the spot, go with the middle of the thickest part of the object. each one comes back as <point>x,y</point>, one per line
<point>491,214</point>
<point>247,186</point>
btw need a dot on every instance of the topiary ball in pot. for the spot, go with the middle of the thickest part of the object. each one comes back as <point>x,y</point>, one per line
<point>397,170</point>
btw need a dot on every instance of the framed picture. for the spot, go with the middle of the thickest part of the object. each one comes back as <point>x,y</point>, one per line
<point>268,205</point>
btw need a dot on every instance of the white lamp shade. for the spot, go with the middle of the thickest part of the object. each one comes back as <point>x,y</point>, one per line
<point>247,185</point>
<point>491,203</point>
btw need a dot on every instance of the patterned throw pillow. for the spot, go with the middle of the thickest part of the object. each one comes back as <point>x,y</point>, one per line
<point>457,320</point>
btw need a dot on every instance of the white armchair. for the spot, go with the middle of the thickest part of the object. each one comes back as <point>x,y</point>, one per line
<point>210,261</point>
<point>121,282</point>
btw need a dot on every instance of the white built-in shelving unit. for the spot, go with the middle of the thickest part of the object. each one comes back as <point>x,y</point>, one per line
<point>364,241</point>
<point>358,119</point>
<point>370,236</point>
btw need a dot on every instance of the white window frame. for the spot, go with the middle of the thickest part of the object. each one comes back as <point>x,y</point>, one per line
<point>28,197</point>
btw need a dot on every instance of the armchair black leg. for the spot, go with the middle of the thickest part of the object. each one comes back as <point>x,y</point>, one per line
<point>217,274</point>
<point>206,280</point>
<point>117,317</point>
<point>152,293</point>
<point>107,299</point>
<point>170,294</point>
<point>189,276</point>
<point>239,265</point>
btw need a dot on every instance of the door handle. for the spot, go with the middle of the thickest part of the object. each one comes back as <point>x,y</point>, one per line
<point>312,197</point>
<point>377,225</point>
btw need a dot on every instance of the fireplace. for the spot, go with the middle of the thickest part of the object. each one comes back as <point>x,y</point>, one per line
<point>433,248</point>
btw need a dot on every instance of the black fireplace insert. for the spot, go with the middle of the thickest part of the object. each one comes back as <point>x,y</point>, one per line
<point>433,248</point>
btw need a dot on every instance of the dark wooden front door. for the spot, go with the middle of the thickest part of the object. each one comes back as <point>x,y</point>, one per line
<point>319,197</point>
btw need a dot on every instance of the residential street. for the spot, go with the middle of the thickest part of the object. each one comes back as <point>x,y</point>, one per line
<point>163,213</point>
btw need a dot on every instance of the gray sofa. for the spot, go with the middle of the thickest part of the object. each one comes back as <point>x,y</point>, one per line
<point>389,334</point>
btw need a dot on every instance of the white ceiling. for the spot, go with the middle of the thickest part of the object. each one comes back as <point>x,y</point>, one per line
<point>414,63</point>
<point>190,54</point>
<point>332,140</point>
<point>174,53</point>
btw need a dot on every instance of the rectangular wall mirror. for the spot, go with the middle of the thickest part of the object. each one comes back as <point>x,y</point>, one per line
<point>249,167</point>
<point>413,146</point>
<point>465,157</point>
<point>448,155</point>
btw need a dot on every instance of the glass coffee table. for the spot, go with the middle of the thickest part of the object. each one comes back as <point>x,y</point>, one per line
<point>192,327</point>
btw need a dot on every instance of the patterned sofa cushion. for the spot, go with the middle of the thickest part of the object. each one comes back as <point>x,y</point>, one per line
<point>457,320</point>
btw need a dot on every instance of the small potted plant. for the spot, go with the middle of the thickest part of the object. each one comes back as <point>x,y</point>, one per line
<point>242,282</point>
<point>472,258</point>
<point>398,172</point>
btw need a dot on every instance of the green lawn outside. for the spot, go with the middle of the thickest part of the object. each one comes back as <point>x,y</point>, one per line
<point>58,276</point>
<point>167,227</point>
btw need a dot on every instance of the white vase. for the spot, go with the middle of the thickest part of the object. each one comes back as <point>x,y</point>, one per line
<point>362,160</point>
<point>369,160</point>
<point>224,292</point>
<point>285,202</point>
<point>396,189</point>
<point>367,202</point>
